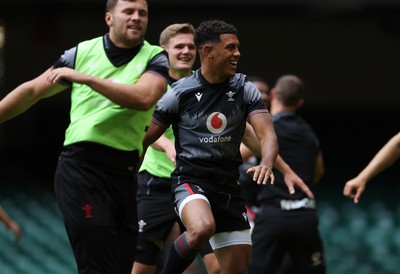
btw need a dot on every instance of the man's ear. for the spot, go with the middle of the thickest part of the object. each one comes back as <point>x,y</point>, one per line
<point>207,50</point>
<point>272,94</point>
<point>300,103</point>
<point>108,19</point>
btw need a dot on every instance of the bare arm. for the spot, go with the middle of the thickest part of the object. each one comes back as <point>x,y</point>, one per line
<point>265,132</point>
<point>291,178</point>
<point>166,145</point>
<point>385,157</point>
<point>26,95</point>
<point>142,95</point>
<point>250,144</point>
<point>10,223</point>
<point>245,152</point>
<point>250,141</point>
<point>319,167</point>
<point>152,134</point>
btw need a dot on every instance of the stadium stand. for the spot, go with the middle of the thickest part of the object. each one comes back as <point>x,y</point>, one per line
<point>359,239</point>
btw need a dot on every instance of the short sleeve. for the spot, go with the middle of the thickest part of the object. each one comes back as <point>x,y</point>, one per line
<point>166,111</point>
<point>159,64</point>
<point>253,99</point>
<point>67,59</point>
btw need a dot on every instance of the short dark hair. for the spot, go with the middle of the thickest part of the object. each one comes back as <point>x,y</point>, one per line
<point>112,3</point>
<point>256,78</point>
<point>289,89</point>
<point>210,31</point>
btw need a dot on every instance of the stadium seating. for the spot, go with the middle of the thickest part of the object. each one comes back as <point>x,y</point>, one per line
<point>358,239</point>
<point>43,247</point>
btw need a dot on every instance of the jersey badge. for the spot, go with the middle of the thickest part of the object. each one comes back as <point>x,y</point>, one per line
<point>141,224</point>
<point>230,96</point>
<point>88,208</point>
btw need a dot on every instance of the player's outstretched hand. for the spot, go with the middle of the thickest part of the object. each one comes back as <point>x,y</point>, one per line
<point>354,188</point>
<point>292,180</point>
<point>262,174</point>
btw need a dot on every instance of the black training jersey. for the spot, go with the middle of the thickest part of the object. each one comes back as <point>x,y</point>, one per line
<point>208,121</point>
<point>298,146</point>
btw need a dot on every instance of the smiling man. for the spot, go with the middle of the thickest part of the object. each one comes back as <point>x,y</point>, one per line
<point>115,81</point>
<point>208,112</point>
<point>156,213</point>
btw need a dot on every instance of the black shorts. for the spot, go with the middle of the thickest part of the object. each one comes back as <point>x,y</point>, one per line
<point>227,203</point>
<point>156,212</point>
<point>290,233</point>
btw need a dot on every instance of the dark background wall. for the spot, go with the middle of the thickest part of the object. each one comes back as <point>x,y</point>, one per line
<point>348,56</point>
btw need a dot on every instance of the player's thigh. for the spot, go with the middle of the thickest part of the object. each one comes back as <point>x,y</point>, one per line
<point>234,258</point>
<point>194,209</point>
<point>197,215</point>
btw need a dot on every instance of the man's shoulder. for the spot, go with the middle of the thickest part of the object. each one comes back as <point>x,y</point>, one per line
<point>186,84</point>
<point>238,81</point>
<point>91,41</point>
<point>154,48</point>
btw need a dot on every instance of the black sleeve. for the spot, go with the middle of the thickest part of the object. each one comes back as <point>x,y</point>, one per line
<point>159,64</point>
<point>67,59</point>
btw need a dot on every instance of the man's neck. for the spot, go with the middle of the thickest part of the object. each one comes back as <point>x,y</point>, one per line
<point>278,108</point>
<point>122,45</point>
<point>212,77</point>
<point>179,73</point>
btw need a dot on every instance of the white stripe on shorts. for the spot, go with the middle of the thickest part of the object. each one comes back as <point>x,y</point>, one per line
<point>188,199</point>
<point>223,239</point>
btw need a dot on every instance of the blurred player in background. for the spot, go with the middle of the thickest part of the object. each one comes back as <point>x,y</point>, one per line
<point>286,223</point>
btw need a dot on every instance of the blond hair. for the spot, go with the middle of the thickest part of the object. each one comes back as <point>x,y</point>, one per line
<point>173,30</point>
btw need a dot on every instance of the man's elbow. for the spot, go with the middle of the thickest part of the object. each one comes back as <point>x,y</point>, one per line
<point>147,105</point>
<point>143,105</point>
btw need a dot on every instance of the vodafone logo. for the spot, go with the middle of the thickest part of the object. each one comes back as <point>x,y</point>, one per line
<point>216,122</point>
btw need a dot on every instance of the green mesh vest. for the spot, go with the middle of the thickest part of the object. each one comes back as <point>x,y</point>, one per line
<point>157,162</point>
<point>95,118</point>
